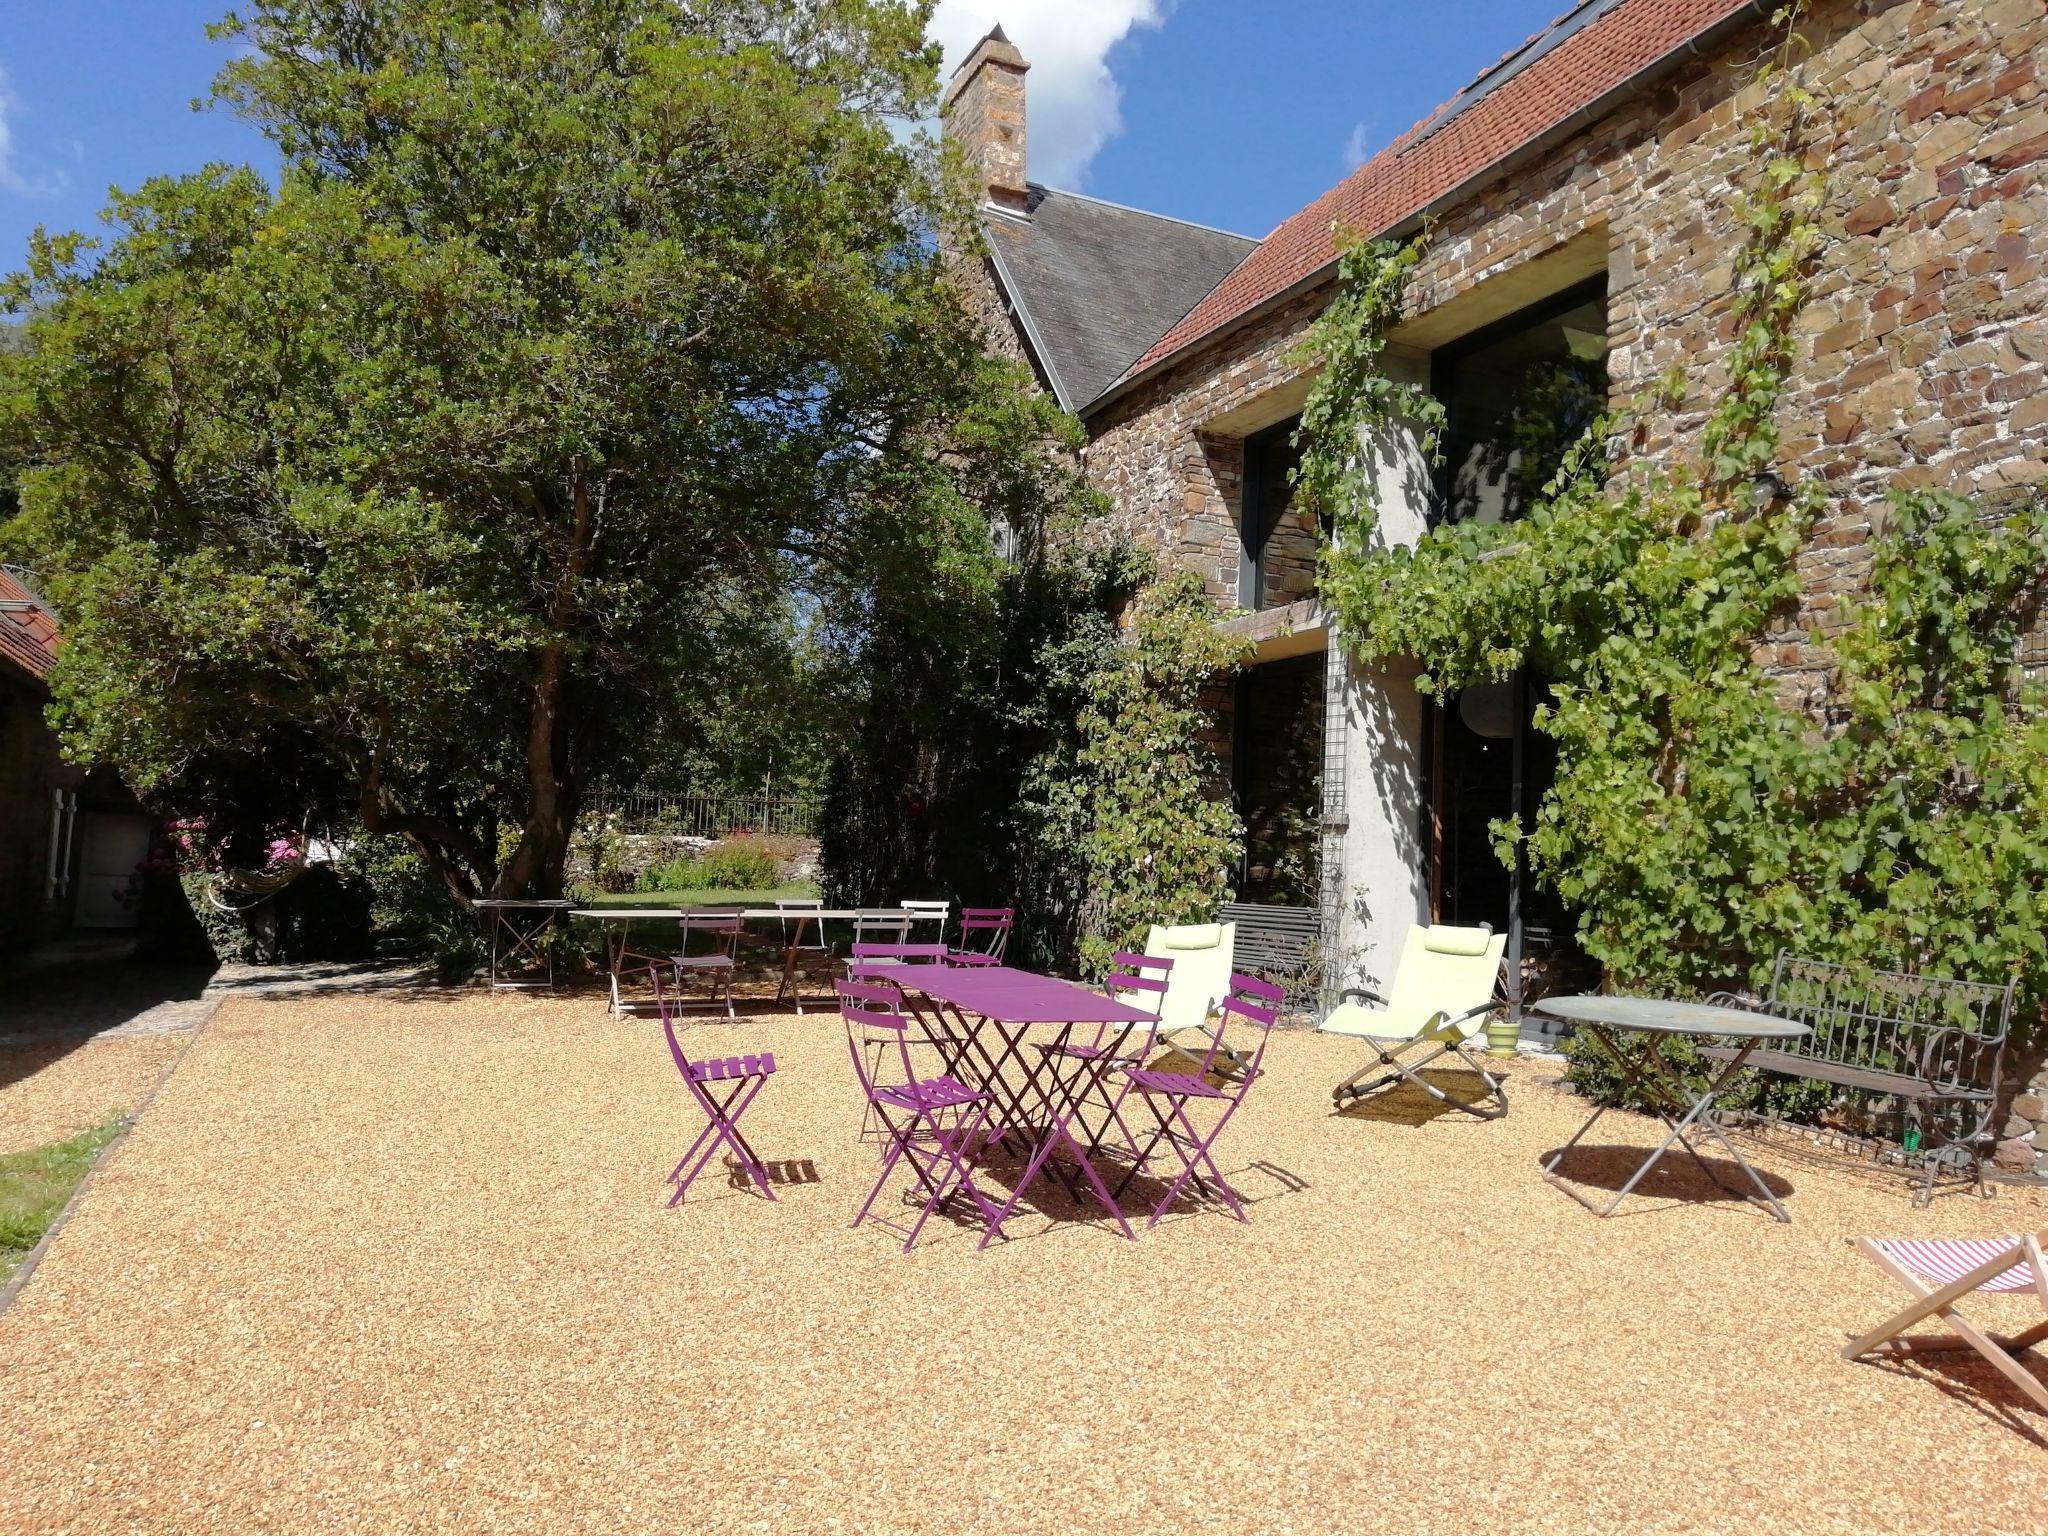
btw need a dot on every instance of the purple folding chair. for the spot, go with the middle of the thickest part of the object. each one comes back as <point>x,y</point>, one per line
<point>723,1088</point>
<point>933,1124</point>
<point>1168,1095</point>
<point>718,964</point>
<point>984,935</point>
<point>876,962</point>
<point>1141,981</point>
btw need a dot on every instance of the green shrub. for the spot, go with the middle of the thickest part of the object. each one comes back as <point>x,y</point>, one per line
<point>1591,1073</point>
<point>738,864</point>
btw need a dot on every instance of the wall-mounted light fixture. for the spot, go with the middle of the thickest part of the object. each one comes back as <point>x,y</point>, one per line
<point>1767,490</point>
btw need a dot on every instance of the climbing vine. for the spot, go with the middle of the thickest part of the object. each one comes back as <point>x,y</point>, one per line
<point>1122,806</point>
<point>1700,818</point>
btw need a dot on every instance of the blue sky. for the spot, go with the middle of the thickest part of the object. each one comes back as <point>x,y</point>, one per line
<point>1220,111</point>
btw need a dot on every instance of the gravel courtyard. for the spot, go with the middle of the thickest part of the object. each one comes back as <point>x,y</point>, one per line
<point>402,1263</point>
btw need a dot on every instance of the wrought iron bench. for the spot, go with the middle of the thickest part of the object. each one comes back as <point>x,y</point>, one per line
<point>1277,944</point>
<point>1920,1056</point>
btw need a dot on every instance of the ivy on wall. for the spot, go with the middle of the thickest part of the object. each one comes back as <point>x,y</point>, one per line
<point>1700,819</point>
<point>1123,806</point>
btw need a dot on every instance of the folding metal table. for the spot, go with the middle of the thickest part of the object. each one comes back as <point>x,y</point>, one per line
<point>516,929</point>
<point>981,1017</point>
<point>1651,1020</point>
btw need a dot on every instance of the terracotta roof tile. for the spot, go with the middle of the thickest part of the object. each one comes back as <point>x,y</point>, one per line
<point>28,637</point>
<point>1450,146</point>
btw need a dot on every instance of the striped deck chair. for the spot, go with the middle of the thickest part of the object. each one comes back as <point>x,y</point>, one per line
<point>1941,1271</point>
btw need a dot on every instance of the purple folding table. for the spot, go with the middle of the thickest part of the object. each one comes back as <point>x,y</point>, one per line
<point>980,1018</point>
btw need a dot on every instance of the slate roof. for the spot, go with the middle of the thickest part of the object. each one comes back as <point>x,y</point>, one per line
<point>1095,283</point>
<point>28,632</point>
<point>1592,50</point>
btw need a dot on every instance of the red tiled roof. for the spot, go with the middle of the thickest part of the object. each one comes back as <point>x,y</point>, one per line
<point>28,636</point>
<point>1439,154</point>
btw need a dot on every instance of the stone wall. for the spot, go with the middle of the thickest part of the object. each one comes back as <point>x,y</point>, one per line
<point>1921,355</point>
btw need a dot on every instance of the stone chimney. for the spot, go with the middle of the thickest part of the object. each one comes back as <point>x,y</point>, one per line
<point>983,112</point>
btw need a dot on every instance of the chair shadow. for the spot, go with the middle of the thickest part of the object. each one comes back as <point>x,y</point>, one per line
<point>1403,1103</point>
<point>783,1173</point>
<point>1676,1177</point>
<point>1968,1379</point>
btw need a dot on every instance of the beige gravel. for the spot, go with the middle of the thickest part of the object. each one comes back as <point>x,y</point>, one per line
<point>375,1265</point>
<point>51,1091</point>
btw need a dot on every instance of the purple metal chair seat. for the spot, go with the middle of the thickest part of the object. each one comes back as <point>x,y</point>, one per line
<point>933,1125</point>
<point>929,1094</point>
<point>724,1087</point>
<point>1167,1096</point>
<point>1145,1080</point>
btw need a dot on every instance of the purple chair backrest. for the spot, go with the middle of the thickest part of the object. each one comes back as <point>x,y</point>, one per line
<point>992,923</point>
<point>668,1023</point>
<point>1255,1002</point>
<point>873,1010</point>
<point>1145,975</point>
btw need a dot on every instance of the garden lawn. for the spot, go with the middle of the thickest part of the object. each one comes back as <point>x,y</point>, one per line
<point>406,1264</point>
<point>35,1184</point>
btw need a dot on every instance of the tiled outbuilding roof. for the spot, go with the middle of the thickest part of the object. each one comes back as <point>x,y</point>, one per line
<point>1591,51</point>
<point>1095,282</point>
<point>28,632</point>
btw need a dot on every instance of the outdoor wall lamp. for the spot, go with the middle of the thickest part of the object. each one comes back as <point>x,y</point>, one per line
<point>1767,490</point>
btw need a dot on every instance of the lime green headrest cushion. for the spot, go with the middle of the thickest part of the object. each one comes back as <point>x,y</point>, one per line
<point>1192,936</point>
<point>1446,940</point>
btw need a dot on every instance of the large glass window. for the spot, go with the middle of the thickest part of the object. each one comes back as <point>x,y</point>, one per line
<point>1516,395</point>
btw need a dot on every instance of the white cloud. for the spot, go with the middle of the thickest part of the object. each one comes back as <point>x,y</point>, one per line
<point>1358,147</point>
<point>12,177</point>
<point>1075,102</point>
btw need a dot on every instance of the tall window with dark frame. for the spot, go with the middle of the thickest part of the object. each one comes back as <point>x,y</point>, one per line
<point>1516,394</point>
<point>1277,561</point>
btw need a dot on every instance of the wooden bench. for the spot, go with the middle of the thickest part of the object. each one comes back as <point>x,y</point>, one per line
<point>1276,944</point>
<point>1932,1047</point>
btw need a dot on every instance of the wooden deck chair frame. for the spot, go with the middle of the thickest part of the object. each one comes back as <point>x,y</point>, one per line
<point>1888,1342</point>
<point>1432,1009</point>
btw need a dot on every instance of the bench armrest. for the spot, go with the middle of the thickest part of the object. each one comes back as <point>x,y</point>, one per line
<point>1946,1057</point>
<point>1740,1000</point>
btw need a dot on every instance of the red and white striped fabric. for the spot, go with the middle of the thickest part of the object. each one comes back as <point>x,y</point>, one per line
<point>1941,1260</point>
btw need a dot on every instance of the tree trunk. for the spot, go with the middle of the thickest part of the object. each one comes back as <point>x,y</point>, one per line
<point>539,866</point>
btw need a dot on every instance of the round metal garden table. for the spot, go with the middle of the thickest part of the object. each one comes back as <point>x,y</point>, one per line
<point>1646,1022</point>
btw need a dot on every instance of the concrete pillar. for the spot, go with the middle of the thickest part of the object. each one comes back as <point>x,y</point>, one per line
<point>1377,757</point>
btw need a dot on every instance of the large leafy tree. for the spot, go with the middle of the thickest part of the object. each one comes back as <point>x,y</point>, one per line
<point>439,480</point>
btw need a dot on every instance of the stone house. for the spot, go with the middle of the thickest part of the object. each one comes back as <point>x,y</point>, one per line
<point>1581,236</point>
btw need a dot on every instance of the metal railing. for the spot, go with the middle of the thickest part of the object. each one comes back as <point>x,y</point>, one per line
<point>713,816</point>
